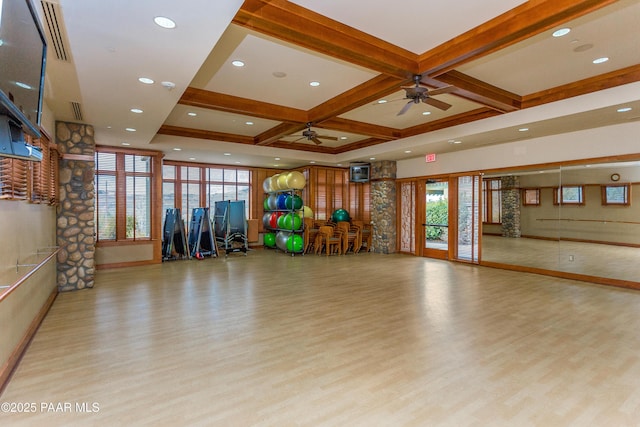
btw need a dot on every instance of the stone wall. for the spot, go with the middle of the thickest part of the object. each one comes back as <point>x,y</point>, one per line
<point>511,206</point>
<point>75,227</point>
<point>383,206</point>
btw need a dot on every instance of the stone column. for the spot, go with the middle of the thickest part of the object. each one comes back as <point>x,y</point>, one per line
<point>75,229</point>
<point>510,206</point>
<point>383,206</point>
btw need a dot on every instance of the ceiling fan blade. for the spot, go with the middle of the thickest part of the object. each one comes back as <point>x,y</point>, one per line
<point>405,108</point>
<point>440,90</point>
<point>296,140</point>
<point>330,138</point>
<point>437,103</point>
<point>316,140</point>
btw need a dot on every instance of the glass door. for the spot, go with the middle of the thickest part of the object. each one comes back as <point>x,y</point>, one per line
<point>436,236</point>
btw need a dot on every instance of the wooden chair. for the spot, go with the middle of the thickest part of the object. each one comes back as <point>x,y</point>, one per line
<point>366,234</point>
<point>310,234</point>
<point>329,239</point>
<point>351,237</point>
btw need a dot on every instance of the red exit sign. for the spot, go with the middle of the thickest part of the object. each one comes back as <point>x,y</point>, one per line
<point>430,158</point>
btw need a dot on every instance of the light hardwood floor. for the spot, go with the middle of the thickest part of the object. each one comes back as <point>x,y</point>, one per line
<point>355,340</point>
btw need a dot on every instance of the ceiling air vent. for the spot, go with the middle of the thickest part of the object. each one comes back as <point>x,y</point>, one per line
<point>77,111</point>
<point>53,22</point>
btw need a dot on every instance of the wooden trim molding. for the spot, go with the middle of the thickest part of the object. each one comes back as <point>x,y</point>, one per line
<point>9,367</point>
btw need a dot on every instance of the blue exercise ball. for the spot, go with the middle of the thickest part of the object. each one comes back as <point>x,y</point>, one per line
<point>282,201</point>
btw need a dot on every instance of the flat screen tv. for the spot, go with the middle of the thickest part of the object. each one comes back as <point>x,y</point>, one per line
<point>359,172</point>
<point>22,63</point>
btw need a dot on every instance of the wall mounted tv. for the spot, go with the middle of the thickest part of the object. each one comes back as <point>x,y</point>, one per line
<point>22,63</point>
<point>359,172</point>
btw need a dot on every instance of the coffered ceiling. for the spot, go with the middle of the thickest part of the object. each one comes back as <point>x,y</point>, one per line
<point>499,56</point>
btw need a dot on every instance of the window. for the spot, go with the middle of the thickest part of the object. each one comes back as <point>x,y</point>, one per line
<point>492,201</point>
<point>188,186</point>
<point>618,194</point>
<point>530,196</point>
<point>568,195</point>
<point>123,196</point>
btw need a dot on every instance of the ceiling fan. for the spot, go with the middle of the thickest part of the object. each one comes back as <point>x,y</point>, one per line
<point>312,135</point>
<point>419,92</point>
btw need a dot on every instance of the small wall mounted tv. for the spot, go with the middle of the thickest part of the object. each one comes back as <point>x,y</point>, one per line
<point>23,51</point>
<point>359,172</point>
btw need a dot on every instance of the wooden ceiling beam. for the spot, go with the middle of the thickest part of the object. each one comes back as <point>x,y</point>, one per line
<point>204,134</point>
<point>287,21</point>
<point>481,92</point>
<point>519,23</point>
<point>352,126</point>
<point>582,87</point>
<point>458,119</point>
<point>363,94</point>
<point>234,104</point>
<point>277,132</point>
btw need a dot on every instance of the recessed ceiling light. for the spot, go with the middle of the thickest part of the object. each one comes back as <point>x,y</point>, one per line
<point>314,84</point>
<point>227,154</point>
<point>164,22</point>
<point>248,123</point>
<point>277,158</point>
<point>192,114</point>
<point>130,129</point>
<point>146,80</point>
<point>624,110</point>
<point>126,144</point>
<point>136,110</point>
<point>426,113</point>
<point>312,162</point>
<point>343,138</point>
<point>23,85</point>
<point>523,129</point>
<point>339,164</point>
<point>279,74</point>
<point>561,32</point>
<point>600,60</point>
<point>382,101</point>
<point>177,149</point>
<point>237,63</point>
<point>237,163</point>
<point>407,151</point>
<point>372,158</point>
<point>192,158</point>
<point>457,142</point>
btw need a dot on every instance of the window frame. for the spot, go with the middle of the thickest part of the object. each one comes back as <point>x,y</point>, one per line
<point>605,198</point>
<point>526,201</point>
<point>488,194</point>
<point>558,191</point>
<point>121,176</point>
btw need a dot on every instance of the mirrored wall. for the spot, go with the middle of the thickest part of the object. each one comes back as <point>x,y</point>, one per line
<point>579,219</point>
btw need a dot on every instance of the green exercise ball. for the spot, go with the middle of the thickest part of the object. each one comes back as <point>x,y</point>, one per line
<point>291,221</point>
<point>265,205</point>
<point>270,240</point>
<point>293,202</point>
<point>340,215</point>
<point>295,243</point>
<point>281,221</point>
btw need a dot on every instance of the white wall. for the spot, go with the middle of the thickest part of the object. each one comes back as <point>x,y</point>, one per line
<point>600,142</point>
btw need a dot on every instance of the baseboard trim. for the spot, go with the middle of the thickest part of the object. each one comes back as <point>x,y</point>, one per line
<point>12,363</point>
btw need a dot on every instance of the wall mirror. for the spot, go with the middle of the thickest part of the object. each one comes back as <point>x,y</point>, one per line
<point>580,219</point>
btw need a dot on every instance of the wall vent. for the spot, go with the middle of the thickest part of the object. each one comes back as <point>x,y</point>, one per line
<point>53,23</point>
<point>77,111</point>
